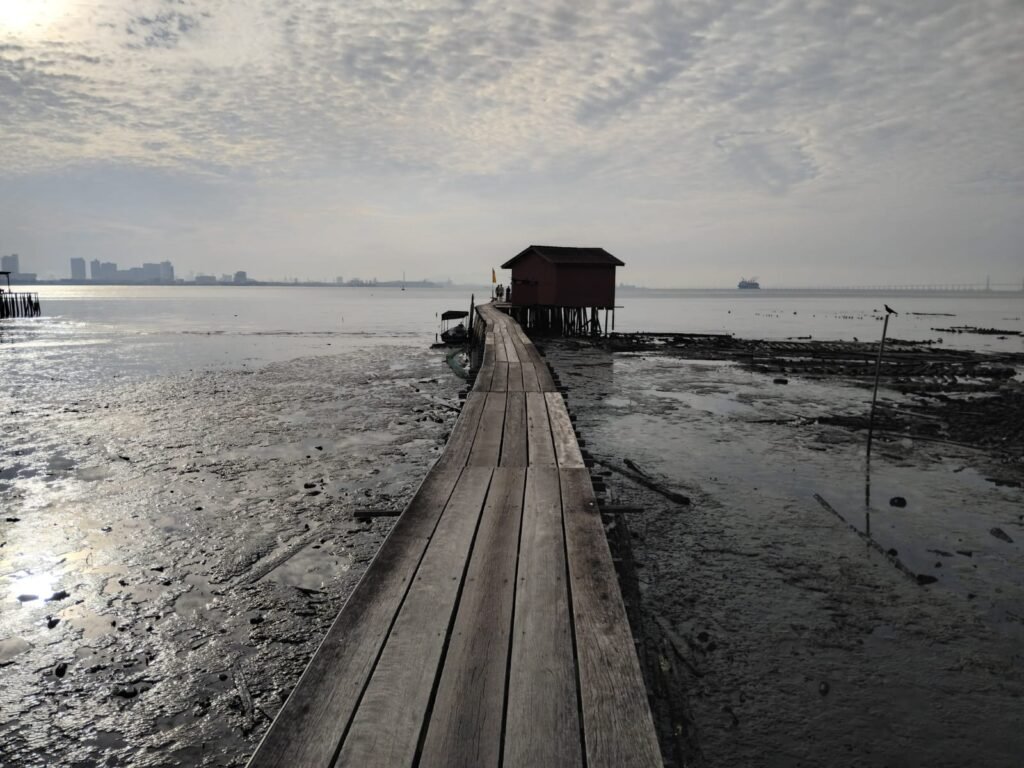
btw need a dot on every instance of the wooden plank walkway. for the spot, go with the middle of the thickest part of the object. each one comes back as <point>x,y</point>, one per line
<point>489,630</point>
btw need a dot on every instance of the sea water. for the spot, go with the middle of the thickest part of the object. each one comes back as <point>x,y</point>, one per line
<point>90,334</point>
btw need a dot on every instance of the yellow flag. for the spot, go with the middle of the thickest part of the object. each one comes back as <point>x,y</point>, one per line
<point>494,276</point>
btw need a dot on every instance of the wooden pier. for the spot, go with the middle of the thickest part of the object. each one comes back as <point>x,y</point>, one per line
<point>489,630</point>
<point>17,304</point>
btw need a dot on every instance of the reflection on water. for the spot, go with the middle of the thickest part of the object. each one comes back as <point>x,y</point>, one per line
<point>30,587</point>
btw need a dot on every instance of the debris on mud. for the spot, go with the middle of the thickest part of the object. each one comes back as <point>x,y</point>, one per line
<point>967,398</point>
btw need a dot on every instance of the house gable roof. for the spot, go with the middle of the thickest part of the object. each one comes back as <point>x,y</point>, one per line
<point>569,256</point>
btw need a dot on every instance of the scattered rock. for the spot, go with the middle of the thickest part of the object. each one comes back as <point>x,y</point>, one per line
<point>823,688</point>
<point>27,598</point>
<point>60,594</point>
<point>125,692</point>
<point>897,501</point>
<point>924,578</point>
<point>51,622</point>
<point>309,485</point>
<point>965,552</point>
<point>256,620</point>
<point>893,552</point>
<point>61,669</point>
<point>999,533</point>
<point>780,380</point>
<point>13,519</point>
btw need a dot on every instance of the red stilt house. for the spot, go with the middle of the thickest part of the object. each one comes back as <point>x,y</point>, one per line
<point>553,286</point>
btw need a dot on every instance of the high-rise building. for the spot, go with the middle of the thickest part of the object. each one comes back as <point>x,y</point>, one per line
<point>95,269</point>
<point>241,278</point>
<point>77,268</point>
<point>166,272</point>
<point>10,264</point>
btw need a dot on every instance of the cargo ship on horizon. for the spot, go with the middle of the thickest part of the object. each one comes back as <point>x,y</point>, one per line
<point>749,284</point>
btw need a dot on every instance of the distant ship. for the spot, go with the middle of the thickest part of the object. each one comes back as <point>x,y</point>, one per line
<point>751,283</point>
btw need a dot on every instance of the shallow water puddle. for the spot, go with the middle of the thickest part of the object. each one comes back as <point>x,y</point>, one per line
<point>11,647</point>
<point>312,566</point>
<point>722,404</point>
<point>199,598</point>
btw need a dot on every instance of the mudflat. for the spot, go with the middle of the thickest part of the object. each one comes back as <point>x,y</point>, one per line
<point>175,548</point>
<point>801,610</point>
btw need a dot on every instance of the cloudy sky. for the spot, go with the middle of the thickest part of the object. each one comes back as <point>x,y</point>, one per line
<point>805,142</point>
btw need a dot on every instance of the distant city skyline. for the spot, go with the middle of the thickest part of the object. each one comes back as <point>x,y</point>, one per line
<point>876,142</point>
<point>164,273</point>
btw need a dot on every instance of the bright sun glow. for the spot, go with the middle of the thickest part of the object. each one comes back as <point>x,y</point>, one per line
<point>28,17</point>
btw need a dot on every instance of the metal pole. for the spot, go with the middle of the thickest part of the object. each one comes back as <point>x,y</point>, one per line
<point>878,372</point>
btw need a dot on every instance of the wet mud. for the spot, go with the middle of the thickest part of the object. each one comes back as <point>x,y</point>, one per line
<point>801,610</point>
<point>174,549</point>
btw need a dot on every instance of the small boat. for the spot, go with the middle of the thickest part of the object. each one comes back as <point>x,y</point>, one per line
<point>456,335</point>
<point>748,284</point>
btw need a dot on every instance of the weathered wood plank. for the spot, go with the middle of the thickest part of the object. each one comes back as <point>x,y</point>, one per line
<point>617,724</point>
<point>460,441</point>
<point>499,346</point>
<point>541,449</point>
<point>499,381</point>
<point>488,358</point>
<point>309,727</point>
<point>487,442</point>
<point>522,347</point>
<point>465,727</point>
<point>530,381</point>
<point>533,353</point>
<point>567,450</point>
<point>542,727</point>
<point>483,378</point>
<point>513,443</point>
<point>515,377</point>
<point>386,728</point>
<point>547,384</point>
<point>510,348</point>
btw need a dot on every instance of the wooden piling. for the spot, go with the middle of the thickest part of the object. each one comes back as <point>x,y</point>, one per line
<point>18,304</point>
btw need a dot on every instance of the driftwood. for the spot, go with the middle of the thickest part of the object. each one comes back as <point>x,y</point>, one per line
<point>870,541</point>
<point>369,514</point>
<point>638,476</point>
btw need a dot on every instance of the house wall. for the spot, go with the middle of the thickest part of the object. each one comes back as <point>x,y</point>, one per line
<point>533,281</point>
<point>536,281</point>
<point>585,286</point>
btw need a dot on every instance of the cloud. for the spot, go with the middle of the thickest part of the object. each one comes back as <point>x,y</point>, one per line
<point>803,100</point>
